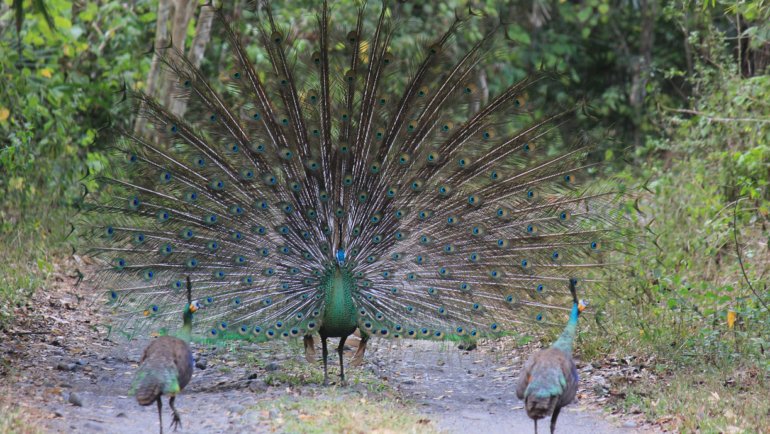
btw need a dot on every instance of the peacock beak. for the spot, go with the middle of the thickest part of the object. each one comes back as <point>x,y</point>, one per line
<point>193,307</point>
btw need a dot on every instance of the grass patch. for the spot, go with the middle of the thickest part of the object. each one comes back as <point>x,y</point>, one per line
<point>26,260</point>
<point>341,410</point>
<point>696,374</point>
<point>295,373</point>
<point>14,420</point>
<point>366,405</point>
<point>710,399</point>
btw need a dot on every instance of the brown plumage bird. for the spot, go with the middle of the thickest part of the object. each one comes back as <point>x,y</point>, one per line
<point>167,366</point>
<point>549,379</point>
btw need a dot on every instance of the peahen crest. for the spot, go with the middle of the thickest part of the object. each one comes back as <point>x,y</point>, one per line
<point>345,187</point>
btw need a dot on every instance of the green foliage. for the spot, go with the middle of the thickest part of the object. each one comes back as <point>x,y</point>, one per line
<point>58,90</point>
<point>684,85</point>
<point>703,166</point>
<point>712,160</point>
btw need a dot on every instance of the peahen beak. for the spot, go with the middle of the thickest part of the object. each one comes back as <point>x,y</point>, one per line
<point>582,305</point>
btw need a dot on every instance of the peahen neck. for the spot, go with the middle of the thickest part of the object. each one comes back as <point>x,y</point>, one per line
<point>564,343</point>
<point>339,314</point>
<point>185,333</point>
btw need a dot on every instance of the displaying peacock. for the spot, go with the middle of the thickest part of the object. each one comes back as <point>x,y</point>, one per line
<point>549,379</point>
<point>167,366</point>
<point>344,188</point>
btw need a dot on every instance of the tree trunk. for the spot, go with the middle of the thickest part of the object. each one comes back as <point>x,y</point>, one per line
<point>171,34</point>
<point>161,40</point>
<point>184,10</point>
<point>196,51</point>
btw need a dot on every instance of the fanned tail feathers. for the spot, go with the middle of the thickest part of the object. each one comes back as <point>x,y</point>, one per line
<point>455,223</point>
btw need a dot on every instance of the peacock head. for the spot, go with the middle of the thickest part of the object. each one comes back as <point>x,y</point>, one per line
<point>340,256</point>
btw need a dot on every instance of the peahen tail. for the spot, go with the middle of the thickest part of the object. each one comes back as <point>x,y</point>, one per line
<point>335,182</point>
<point>152,380</point>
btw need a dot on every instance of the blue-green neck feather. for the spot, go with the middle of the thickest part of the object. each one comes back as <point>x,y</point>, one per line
<point>564,343</point>
<point>339,314</point>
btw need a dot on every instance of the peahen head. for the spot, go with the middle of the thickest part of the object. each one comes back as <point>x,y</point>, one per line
<point>188,312</point>
<point>578,306</point>
<point>190,309</point>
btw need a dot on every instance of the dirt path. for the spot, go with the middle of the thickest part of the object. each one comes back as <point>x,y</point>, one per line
<point>78,381</point>
<point>474,390</point>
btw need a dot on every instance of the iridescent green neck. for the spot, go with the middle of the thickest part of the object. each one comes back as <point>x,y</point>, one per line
<point>339,315</point>
<point>564,343</point>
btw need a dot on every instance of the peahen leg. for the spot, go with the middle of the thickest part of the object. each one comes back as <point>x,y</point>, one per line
<point>309,348</point>
<point>535,425</point>
<point>177,421</point>
<point>325,354</point>
<point>160,415</point>
<point>358,358</point>
<point>340,349</point>
<point>553,418</point>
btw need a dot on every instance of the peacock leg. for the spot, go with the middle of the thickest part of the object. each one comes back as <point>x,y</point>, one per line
<point>309,348</point>
<point>325,354</point>
<point>342,361</point>
<point>358,358</point>
<point>535,425</point>
<point>160,414</point>
<point>553,419</point>
<point>177,421</point>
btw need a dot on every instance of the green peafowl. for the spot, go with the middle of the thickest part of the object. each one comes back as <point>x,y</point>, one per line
<point>339,187</point>
<point>167,366</point>
<point>549,379</point>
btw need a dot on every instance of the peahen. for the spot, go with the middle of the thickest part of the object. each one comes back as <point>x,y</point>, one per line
<point>167,366</point>
<point>549,379</point>
<point>338,187</point>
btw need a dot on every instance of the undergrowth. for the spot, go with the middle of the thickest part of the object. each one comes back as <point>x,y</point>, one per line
<point>691,298</point>
<point>32,239</point>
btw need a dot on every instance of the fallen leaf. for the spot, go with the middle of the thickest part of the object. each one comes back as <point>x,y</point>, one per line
<point>731,315</point>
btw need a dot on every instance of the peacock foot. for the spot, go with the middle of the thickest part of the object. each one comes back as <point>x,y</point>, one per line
<point>176,421</point>
<point>357,360</point>
<point>310,353</point>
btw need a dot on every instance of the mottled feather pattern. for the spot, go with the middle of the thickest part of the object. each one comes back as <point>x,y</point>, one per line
<point>454,222</point>
<point>549,379</point>
<point>165,369</point>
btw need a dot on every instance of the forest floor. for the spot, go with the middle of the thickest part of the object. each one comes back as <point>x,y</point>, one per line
<point>60,373</point>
